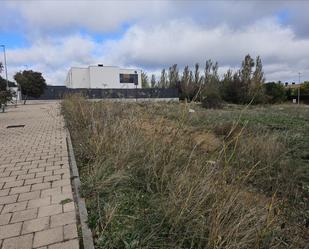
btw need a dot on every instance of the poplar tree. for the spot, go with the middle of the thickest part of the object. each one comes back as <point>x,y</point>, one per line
<point>163,79</point>
<point>145,83</point>
<point>173,76</point>
<point>153,81</point>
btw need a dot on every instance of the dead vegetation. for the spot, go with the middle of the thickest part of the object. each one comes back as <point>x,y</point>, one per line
<point>153,182</point>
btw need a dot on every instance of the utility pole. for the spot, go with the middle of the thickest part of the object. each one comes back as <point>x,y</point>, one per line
<point>298,90</point>
<point>6,69</point>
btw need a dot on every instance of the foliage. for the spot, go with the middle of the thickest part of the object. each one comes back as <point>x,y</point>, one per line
<point>145,83</point>
<point>187,88</point>
<point>275,92</point>
<point>32,83</point>
<point>304,90</point>
<point>5,97</point>
<point>163,79</point>
<point>173,76</point>
<point>3,83</point>
<point>157,176</point>
<point>153,81</point>
<point>211,97</point>
<point>246,85</point>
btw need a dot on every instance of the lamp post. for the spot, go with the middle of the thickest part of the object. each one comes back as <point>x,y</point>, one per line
<point>298,90</point>
<point>6,69</point>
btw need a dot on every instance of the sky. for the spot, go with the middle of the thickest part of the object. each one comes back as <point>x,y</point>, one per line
<point>52,36</point>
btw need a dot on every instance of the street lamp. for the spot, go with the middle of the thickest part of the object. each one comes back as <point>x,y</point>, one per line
<point>298,90</point>
<point>6,69</point>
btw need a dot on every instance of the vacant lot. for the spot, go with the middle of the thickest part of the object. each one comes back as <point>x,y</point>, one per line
<point>162,176</point>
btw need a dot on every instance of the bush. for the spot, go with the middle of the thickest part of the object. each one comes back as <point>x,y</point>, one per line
<point>275,92</point>
<point>211,97</point>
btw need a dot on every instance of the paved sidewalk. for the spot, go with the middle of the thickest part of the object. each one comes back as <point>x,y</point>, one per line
<point>36,202</point>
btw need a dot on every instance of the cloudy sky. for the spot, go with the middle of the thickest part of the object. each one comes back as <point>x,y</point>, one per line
<point>52,36</point>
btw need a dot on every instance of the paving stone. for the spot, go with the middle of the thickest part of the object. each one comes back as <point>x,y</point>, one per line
<point>5,218</point>
<point>61,183</point>
<point>18,190</point>
<point>39,202</point>
<point>70,206</point>
<point>21,242</point>
<point>52,178</point>
<point>14,207</point>
<point>51,191</point>
<point>4,192</point>
<point>62,219</point>
<point>8,179</point>
<point>8,199</point>
<point>50,210</point>
<point>39,186</point>
<point>29,195</point>
<point>24,177</point>
<point>71,244</point>
<point>13,184</point>
<point>35,225</point>
<point>49,236</point>
<point>35,180</point>
<point>24,215</point>
<point>60,198</point>
<point>10,230</point>
<point>70,231</point>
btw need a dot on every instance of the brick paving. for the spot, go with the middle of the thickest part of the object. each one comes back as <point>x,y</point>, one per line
<point>36,200</point>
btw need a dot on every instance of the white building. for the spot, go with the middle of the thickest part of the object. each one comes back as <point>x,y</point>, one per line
<point>103,77</point>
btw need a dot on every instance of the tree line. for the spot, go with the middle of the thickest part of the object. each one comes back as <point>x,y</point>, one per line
<point>203,83</point>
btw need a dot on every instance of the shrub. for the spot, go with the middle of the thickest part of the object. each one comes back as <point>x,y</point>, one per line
<point>211,97</point>
<point>275,92</point>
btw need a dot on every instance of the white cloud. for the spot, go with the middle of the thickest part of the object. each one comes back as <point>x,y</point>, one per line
<point>159,34</point>
<point>53,56</point>
<point>185,42</point>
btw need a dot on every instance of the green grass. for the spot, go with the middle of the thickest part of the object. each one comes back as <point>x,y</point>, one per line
<point>151,182</point>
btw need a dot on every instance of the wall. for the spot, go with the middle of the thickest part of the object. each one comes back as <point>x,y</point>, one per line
<point>103,77</point>
<point>78,78</point>
<point>100,77</point>
<point>58,92</point>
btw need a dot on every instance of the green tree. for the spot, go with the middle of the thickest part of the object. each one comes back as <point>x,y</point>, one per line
<point>275,92</point>
<point>153,81</point>
<point>173,76</point>
<point>32,83</point>
<point>145,83</point>
<point>163,79</point>
<point>304,89</point>
<point>256,89</point>
<point>6,95</point>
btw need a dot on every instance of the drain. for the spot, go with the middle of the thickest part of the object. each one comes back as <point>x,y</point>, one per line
<point>15,126</point>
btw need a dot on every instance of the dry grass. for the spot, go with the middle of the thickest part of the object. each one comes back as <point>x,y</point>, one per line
<point>150,183</point>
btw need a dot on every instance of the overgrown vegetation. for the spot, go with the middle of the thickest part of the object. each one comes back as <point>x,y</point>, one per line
<point>158,176</point>
<point>242,86</point>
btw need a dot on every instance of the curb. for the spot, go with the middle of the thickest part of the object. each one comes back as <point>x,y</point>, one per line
<point>87,239</point>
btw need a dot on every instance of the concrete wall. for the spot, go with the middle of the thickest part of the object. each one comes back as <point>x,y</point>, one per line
<point>78,78</point>
<point>100,77</point>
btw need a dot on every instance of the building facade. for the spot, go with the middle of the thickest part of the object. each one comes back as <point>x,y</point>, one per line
<point>103,77</point>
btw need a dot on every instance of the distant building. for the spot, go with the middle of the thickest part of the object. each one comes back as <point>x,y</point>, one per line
<point>105,77</point>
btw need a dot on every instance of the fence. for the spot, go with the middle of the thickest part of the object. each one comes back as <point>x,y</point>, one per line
<point>58,92</point>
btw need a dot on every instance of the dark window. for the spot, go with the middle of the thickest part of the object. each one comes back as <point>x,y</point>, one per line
<point>129,78</point>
